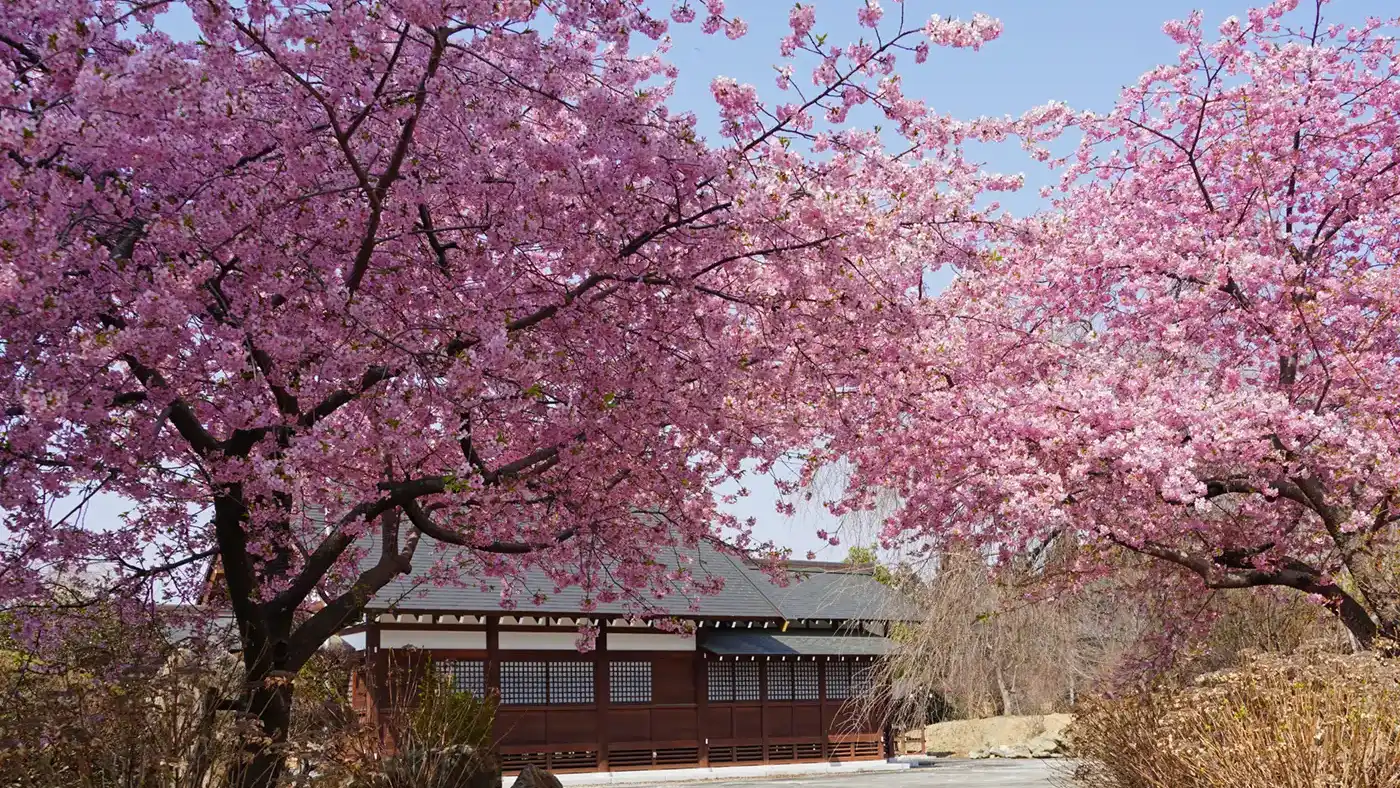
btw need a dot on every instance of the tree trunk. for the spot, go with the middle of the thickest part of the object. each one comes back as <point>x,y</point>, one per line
<point>1003,692</point>
<point>1380,595</point>
<point>268,700</point>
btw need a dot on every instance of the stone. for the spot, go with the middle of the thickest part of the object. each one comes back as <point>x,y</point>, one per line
<point>533,776</point>
<point>1044,746</point>
<point>1012,751</point>
<point>979,754</point>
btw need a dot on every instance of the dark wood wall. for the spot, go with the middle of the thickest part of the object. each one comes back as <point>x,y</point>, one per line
<point>678,727</point>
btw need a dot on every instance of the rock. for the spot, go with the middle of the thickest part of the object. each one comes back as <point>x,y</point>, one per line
<point>964,736</point>
<point>1045,746</point>
<point>979,754</point>
<point>1012,751</point>
<point>533,776</point>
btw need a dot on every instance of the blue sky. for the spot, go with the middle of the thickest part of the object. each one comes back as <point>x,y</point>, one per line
<point>1077,51</point>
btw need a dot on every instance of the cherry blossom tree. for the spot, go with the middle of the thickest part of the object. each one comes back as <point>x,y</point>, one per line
<point>1195,355</point>
<point>433,273</point>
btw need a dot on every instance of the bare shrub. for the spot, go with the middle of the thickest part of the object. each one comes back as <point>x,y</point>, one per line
<point>107,702</point>
<point>1309,720</point>
<point>1003,641</point>
<point>1264,620</point>
<point>433,736</point>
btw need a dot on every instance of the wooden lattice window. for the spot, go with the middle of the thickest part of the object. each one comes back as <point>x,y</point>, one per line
<point>540,683</point>
<point>465,675</point>
<point>746,681</point>
<point>720,681</point>
<point>570,682</point>
<point>838,680</point>
<point>524,683</point>
<point>862,679</point>
<point>629,682</point>
<point>805,683</point>
<point>779,680</point>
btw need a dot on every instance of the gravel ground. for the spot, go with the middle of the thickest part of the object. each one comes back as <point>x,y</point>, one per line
<point>940,774</point>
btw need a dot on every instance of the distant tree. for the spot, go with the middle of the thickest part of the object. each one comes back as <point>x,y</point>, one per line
<point>866,557</point>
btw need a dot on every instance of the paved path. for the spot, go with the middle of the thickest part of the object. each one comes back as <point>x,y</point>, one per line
<point>941,774</point>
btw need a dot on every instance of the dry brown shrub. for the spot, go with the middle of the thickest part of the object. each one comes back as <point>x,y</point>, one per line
<point>432,736</point>
<point>1309,720</point>
<point>1004,641</point>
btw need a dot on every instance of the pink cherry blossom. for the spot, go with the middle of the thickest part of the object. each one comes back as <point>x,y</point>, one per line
<point>802,18</point>
<point>870,14</point>
<point>1191,355</point>
<point>339,285</point>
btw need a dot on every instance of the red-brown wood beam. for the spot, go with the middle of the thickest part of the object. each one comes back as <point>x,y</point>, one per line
<point>763,703</point>
<point>702,702</point>
<point>602,701</point>
<point>821,706</point>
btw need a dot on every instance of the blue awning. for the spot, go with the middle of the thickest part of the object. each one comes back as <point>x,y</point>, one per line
<point>775,644</point>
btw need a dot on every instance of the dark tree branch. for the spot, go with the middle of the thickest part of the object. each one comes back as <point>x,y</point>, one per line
<point>181,414</point>
<point>331,548</point>
<point>424,524</point>
<point>1234,569</point>
<point>391,172</point>
<point>30,56</point>
<point>341,611</point>
<point>341,397</point>
<point>138,572</point>
<point>439,248</point>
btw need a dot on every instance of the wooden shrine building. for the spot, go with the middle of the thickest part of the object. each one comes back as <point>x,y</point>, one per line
<point>771,674</point>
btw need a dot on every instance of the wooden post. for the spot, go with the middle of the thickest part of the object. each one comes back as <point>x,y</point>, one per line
<point>602,700</point>
<point>493,654</point>
<point>373,677</point>
<point>763,702</point>
<point>702,702</point>
<point>821,708</point>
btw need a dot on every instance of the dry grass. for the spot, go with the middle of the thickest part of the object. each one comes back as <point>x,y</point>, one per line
<point>1310,720</point>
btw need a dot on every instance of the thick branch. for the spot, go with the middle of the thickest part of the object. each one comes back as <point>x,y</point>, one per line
<point>1233,569</point>
<point>391,172</point>
<point>342,610</point>
<point>320,561</point>
<point>424,524</point>
<point>341,397</point>
<point>181,414</point>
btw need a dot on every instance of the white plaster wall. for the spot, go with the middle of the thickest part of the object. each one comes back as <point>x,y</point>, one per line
<point>423,638</point>
<point>649,641</point>
<point>539,641</point>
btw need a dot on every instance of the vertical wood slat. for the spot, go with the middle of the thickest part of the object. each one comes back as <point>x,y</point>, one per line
<point>602,695</point>
<point>763,704</point>
<point>702,704</point>
<point>821,707</point>
<point>374,679</point>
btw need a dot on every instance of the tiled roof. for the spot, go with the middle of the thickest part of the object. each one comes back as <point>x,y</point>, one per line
<point>747,593</point>
<point>835,595</point>
<point>739,597</point>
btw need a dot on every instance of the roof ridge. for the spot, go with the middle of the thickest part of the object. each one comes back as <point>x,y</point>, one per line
<point>745,571</point>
